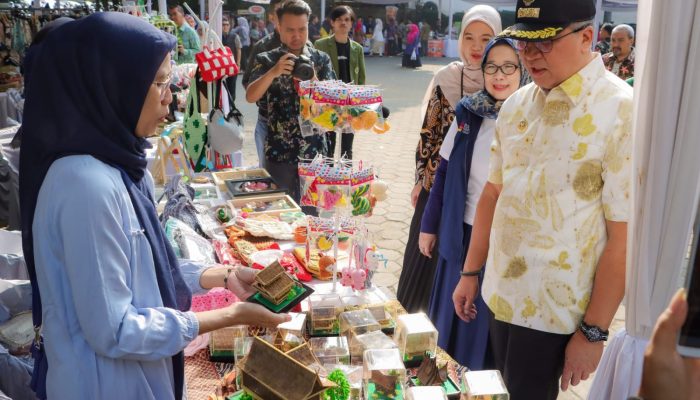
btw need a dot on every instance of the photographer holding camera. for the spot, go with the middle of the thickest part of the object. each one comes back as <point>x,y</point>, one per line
<point>273,77</point>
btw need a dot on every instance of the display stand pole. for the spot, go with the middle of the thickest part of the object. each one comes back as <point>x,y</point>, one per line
<point>335,249</point>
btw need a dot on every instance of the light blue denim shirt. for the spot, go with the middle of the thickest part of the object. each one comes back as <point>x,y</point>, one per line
<point>106,332</point>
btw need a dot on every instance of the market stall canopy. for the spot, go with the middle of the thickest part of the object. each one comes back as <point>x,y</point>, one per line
<point>666,185</point>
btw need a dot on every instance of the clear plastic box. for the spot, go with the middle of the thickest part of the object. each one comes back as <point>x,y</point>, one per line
<point>363,301</point>
<point>331,350</point>
<point>415,335</point>
<point>221,341</point>
<point>357,322</point>
<point>296,327</point>
<point>241,347</point>
<point>324,310</point>
<point>484,385</point>
<point>370,341</point>
<point>384,374</point>
<point>426,393</point>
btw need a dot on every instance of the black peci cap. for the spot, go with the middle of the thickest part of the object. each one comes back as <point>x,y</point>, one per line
<point>537,20</point>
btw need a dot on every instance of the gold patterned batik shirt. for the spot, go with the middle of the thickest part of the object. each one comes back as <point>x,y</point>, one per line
<point>564,160</point>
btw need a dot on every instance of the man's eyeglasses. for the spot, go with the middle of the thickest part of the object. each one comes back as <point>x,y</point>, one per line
<point>507,68</point>
<point>163,86</point>
<point>545,46</point>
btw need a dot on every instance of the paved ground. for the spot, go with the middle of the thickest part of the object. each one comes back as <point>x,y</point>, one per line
<point>393,155</point>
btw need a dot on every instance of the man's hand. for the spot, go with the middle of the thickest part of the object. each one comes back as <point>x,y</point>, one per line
<point>580,360</point>
<point>426,243</point>
<point>284,66</point>
<point>415,193</point>
<point>180,49</point>
<point>666,374</point>
<point>464,296</point>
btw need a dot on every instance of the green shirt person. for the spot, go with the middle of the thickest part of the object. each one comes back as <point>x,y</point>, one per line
<point>187,39</point>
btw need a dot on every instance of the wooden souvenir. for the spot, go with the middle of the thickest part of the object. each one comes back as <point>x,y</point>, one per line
<point>170,150</point>
<point>274,283</point>
<point>269,374</point>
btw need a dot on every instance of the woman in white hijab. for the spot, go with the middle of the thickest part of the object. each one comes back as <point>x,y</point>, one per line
<point>378,38</point>
<point>450,84</point>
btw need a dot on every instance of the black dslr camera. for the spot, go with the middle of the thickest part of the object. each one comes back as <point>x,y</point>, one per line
<point>303,66</point>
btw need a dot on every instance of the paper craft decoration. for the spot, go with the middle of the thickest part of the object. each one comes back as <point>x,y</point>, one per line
<point>274,283</point>
<point>429,374</point>
<point>267,373</point>
<point>278,291</point>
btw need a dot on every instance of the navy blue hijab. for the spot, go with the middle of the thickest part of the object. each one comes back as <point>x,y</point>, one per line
<point>88,82</point>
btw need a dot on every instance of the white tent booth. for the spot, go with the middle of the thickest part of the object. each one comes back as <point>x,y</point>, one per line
<point>666,184</point>
<point>450,7</point>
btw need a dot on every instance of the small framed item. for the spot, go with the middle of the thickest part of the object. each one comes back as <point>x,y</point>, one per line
<point>220,177</point>
<point>277,290</point>
<point>252,187</point>
<point>271,204</point>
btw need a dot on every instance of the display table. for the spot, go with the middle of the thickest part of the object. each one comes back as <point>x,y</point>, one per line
<point>204,377</point>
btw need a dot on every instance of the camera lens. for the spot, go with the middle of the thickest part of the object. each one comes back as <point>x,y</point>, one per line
<point>303,70</point>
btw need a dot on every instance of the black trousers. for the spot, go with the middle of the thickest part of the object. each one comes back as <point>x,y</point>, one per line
<point>287,176</point>
<point>346,140</point>
<point>530,361</point>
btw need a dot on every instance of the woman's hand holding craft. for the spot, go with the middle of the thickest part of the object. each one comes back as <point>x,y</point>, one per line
<point>243,313</point>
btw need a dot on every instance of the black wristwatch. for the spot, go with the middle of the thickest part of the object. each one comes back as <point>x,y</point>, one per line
<point>593,333</point>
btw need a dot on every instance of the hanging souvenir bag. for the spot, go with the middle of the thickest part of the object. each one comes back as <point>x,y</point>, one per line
<point>215,64</point>
<point>195,129</point>
<point>225,130</point>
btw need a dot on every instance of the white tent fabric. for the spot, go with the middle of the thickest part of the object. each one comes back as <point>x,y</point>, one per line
<point>666,181</point>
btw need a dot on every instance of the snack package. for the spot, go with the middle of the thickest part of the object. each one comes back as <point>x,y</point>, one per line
<point>307,181</point>
<point>361,191</point>
<point>337,106</point>
<point>334,184</point>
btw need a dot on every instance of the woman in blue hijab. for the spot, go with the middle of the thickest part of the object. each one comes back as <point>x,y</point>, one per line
<point>459,181</point>
<point>109,294</point>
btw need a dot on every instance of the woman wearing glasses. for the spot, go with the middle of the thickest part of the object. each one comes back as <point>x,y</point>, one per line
<point>109,294</point>
<point>450,84</point>
<point>462,173</point>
